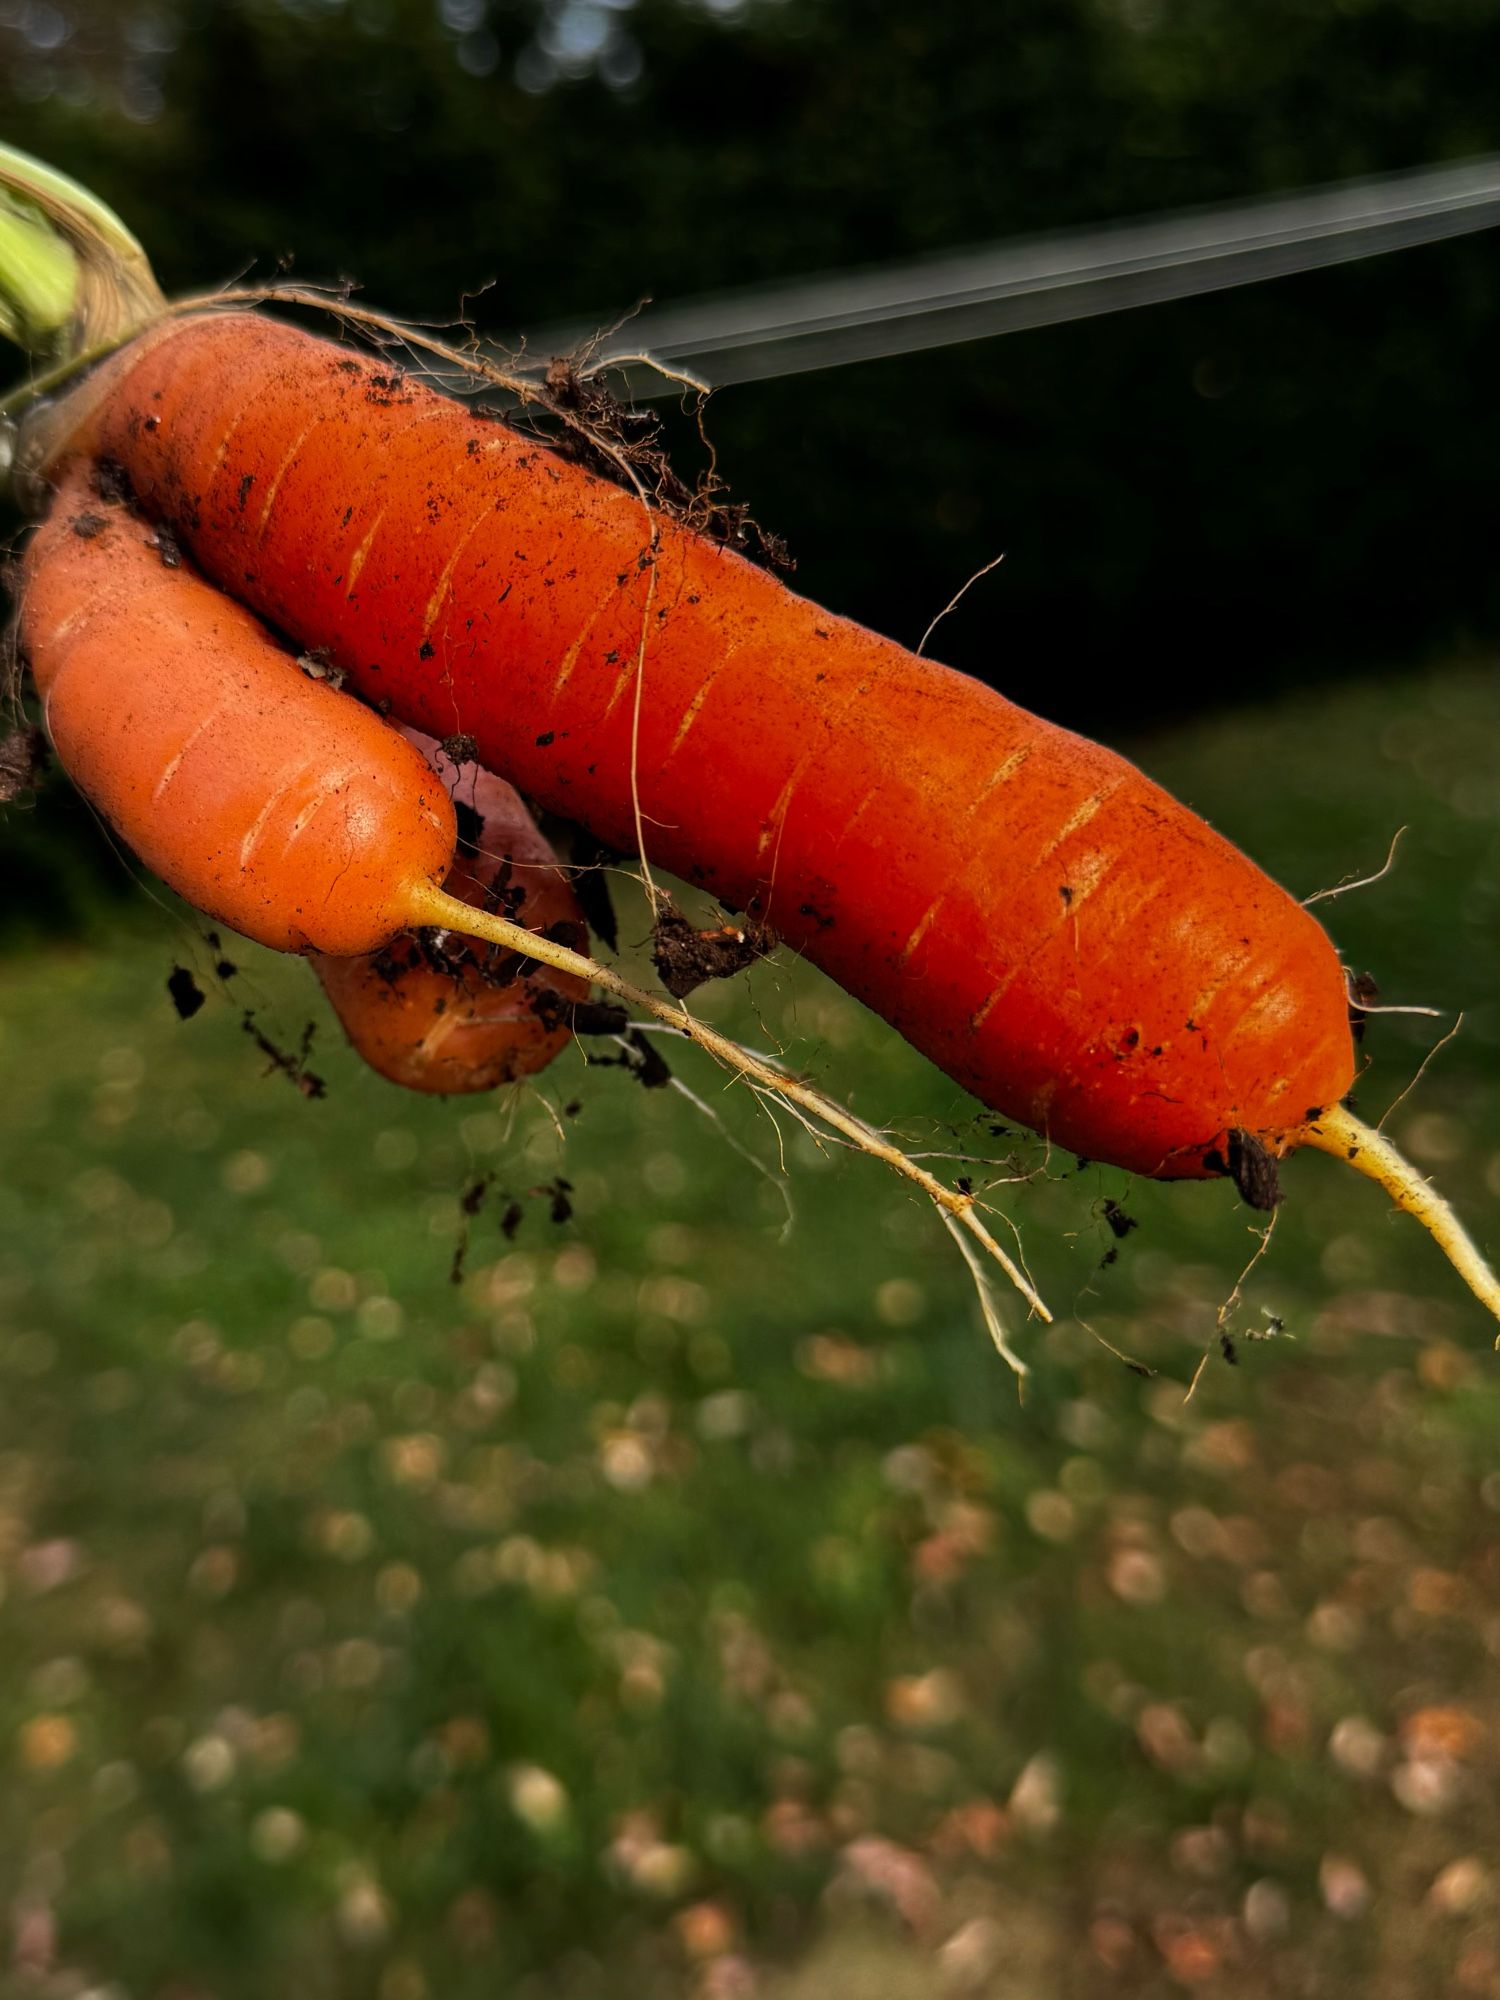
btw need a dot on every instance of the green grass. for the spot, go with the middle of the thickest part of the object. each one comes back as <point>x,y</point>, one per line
<point>315,1562</point>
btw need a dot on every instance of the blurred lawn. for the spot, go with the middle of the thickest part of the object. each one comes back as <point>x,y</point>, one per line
<point>670,1603</point>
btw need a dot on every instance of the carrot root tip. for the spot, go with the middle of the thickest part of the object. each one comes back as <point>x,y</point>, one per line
<point>1339,1132</point>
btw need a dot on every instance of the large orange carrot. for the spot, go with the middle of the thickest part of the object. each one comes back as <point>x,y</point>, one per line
<point>440,1017</point>
<point>1057,933</point>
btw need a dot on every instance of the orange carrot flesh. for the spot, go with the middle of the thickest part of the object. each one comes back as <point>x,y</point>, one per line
<point>440,1017</point>
<point>273,803</point>
<point>1056,932</point>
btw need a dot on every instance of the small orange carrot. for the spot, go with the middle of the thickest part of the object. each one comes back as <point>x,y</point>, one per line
<point>270,801</point>
<point>441,1017</point>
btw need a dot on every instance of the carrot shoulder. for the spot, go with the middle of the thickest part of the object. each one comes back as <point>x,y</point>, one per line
<point>1056,932</point>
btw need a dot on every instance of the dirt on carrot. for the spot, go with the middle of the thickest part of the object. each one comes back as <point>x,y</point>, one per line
<point>627,447</point>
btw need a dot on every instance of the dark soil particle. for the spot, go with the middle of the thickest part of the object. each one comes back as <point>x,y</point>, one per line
<point>317,667</point>
<point>470,1202</point>
<point>584,1017</point>
<point>686,958</point>
<point>1120,1223</point>
<point>651,1069</point>
<point>640,1058</point>
<point>165,544</point>
<point>472,1199</point>
<point>590,859</point>
<point>88,526</point>
<point>224,968</point>
<point>470,828</point>
<point>460,749</point>
<point>384,390</point>
<point>547,737</point>
<point>112,483</point>
<point>1250,1167</point>
<point>283,1061</point>
<point>187,994</point>
<point>557,1193</point>
<point>1363,991</point>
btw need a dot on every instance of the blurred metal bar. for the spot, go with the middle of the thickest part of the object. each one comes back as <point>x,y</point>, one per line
<point>789,327</point>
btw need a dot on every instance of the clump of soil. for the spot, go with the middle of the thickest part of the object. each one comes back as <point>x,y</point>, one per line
<point>625,446</point>
<point>1250,1167</point>
<point>686,958</point>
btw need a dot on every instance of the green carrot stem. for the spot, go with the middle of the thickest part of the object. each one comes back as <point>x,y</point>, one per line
<point>38,277</point>
<point>72,277</point>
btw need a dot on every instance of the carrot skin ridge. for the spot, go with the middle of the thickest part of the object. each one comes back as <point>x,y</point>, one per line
<point>1052,929</point>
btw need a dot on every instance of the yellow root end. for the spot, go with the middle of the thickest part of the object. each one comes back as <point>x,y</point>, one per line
<point>1348,1138</point>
